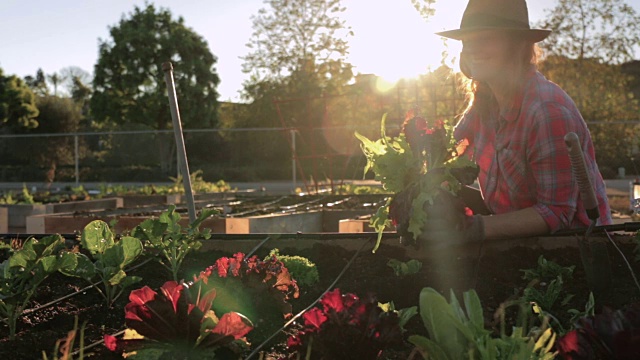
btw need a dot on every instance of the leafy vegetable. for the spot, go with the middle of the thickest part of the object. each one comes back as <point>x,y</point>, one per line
<point>259,289</point>
<point>302,270</point>
<point>418,166</point>
<point>107,261</point>
<point>168,237</point>
<point>613,334</point>
<point>25,270</point>
<point>347,327</point>
<point>459,333</point>
<point>177,323</point>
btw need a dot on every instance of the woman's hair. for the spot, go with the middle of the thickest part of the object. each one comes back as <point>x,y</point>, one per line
<point>478,94</point>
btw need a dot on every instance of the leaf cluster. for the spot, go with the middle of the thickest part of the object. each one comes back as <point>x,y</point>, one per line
<point>177,323</point>
<point>26,269</point>
<point>302,270</point>
<point>419,163</point>
<point>457,332</point>
<point>107,260</point>
<point>173,242</point>
<point>349,327</point>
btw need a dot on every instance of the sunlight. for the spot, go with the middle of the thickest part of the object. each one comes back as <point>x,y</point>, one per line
<point>383,85</point>
<point>391,39</point>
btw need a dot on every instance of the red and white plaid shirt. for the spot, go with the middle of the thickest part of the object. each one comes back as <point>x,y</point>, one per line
<point>524,161</point>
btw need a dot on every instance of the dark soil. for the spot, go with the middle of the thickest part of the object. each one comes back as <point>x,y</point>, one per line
<point>496,276</point>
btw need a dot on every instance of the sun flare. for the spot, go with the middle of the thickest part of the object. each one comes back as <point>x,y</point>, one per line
<point>391,39</point>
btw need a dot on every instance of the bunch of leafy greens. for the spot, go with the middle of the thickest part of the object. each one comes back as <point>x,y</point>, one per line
<point>349,327</point>
<point>178,323</point>
<point>423,161</point>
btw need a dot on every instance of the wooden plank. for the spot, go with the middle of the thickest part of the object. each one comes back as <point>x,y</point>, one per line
<point>84,205</point>
<point>4,220</point>
<point>69,223</point>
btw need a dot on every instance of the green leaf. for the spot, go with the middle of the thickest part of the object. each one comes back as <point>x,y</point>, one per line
<point>437,317</point>
<point>429,349</point>
<point>474,308</point>
<point>117,277</point>
<point>129,281</point>
<point>97,237</point>
<point>84,269</point>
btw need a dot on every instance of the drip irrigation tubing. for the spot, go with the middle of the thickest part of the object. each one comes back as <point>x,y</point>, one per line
<point>293,319</point>
<point>53,302</point>
<point>624,258</point>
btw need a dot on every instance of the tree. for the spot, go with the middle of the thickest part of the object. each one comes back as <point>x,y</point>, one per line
<point>129,82</point>
<point>38,83</point>
<point>73,76</point>
<point>17,103</point>
<point>589,42</point>
<point>129,86</point>
<point>295,37</point>
<point>56,79</point>
<point>606,30</point>
<point>297,51</point>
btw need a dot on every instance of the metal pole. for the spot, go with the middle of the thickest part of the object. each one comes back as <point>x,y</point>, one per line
<point>167,67</point>
<point>77,159</point>
<point>293,158</point>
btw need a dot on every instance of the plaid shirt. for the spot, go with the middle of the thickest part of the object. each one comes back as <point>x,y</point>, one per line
<point>524,161</point>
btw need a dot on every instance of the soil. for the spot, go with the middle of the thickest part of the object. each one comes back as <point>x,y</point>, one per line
<point>496,277</point>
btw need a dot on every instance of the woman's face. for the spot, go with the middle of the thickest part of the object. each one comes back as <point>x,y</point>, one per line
<point>487,55</point>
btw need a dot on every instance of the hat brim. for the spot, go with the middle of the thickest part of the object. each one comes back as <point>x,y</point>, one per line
<point>534,35</point>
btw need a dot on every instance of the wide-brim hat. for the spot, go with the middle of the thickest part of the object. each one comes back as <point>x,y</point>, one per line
<point>506,15</point>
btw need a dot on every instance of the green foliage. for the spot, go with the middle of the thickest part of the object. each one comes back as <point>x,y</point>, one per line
<point>17,103</point>
<point>548,270</point>
<point>296,38</point>
<point>303,270</point>
<point>457,332</point>
<point>425,171</point>
<point>545,289</point>
<point>198,184</point>
<point>405,268</point>
<point>596,37</point>
<point>25,270</point>
<point>167,236</point>
<point>107,261</point>
<point>605,30</point>
<point>129,82</point>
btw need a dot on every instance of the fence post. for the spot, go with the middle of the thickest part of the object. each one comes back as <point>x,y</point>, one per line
<point>293,158</point>
<point>77,158</point>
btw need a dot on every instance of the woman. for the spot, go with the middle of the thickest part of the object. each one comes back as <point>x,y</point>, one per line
<point>515,123</point>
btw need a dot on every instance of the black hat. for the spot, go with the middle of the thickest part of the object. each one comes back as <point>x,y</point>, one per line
<point>507,15</point>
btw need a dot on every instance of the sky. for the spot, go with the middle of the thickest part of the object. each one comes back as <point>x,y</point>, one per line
<point>390,38</point>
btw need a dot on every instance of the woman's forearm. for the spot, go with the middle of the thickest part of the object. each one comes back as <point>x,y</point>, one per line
<point>517,224</point>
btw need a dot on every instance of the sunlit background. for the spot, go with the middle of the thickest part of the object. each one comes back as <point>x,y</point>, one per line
<point>391,39</point>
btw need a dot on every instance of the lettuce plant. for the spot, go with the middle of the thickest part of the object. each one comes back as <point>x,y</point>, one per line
<point>169,238</point>
<point>259,289</point>
<point>419,166</point>
<point>177,323</point>
<point>25,270</point>
<point>303,270</point>
<point>612,334</point>
<point>459,333</point>
<point>347,327</point>
<point>108,260</point>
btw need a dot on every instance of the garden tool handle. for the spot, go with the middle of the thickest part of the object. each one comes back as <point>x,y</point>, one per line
<point>579,169</point>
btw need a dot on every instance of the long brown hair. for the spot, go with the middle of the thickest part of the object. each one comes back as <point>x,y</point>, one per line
<point>478,93</point>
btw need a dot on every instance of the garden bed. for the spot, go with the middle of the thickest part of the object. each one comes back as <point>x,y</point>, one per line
<point>246,215</point>
<point>495,275</point>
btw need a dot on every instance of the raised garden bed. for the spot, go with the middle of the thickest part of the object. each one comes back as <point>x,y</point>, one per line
<point>495,275</point>
<point>18,213</point>
<point>261,214</point>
